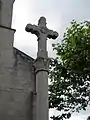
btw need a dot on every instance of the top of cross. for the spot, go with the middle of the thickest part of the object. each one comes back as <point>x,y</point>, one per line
<point>42,32</point>
<point>42,22</point>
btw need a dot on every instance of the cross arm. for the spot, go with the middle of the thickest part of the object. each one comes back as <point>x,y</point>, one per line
<point>52,34</point>
<point>32,28</point>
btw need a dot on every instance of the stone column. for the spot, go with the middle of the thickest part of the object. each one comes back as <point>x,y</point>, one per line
<point>41,65</point>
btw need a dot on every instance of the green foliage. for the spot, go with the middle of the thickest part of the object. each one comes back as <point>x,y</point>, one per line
<point>70,71</point>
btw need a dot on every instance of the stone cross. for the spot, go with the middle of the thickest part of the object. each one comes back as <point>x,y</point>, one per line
<point>42,32</point>
<point>41,66</point>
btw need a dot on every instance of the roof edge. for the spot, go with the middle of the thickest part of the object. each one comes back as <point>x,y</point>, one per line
<point>2,26</point>
<point>22,54</point>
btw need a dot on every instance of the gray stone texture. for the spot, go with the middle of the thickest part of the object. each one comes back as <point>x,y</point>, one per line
<point>6,9</point>
<point>17,80</point>
<point>42,32</point>
<point>41,66</point>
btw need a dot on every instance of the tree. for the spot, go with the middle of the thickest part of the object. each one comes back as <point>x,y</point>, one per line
<point>69,73</point>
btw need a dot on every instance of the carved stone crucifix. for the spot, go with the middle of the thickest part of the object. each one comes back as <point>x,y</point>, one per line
<point>42,32</point>
<point>41,66</point>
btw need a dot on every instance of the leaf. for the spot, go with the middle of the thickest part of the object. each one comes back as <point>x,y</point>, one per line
<point>70,71</point>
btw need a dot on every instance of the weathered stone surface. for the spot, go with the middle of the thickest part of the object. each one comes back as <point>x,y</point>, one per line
<point>17,77</point>
<point>42,32</point>
<point>17,80</point>
<point>41,66</point>
<point>6,9</point>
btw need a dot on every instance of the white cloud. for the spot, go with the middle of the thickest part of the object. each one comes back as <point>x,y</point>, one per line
<point>30,13</point>
<point>75,116</point>
<point>58,13</point>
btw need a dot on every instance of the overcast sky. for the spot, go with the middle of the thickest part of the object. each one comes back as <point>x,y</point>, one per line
<point>59,13</point>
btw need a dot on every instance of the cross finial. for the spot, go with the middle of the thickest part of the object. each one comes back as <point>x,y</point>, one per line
<point>42,22</point>
<point>42,32</point>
